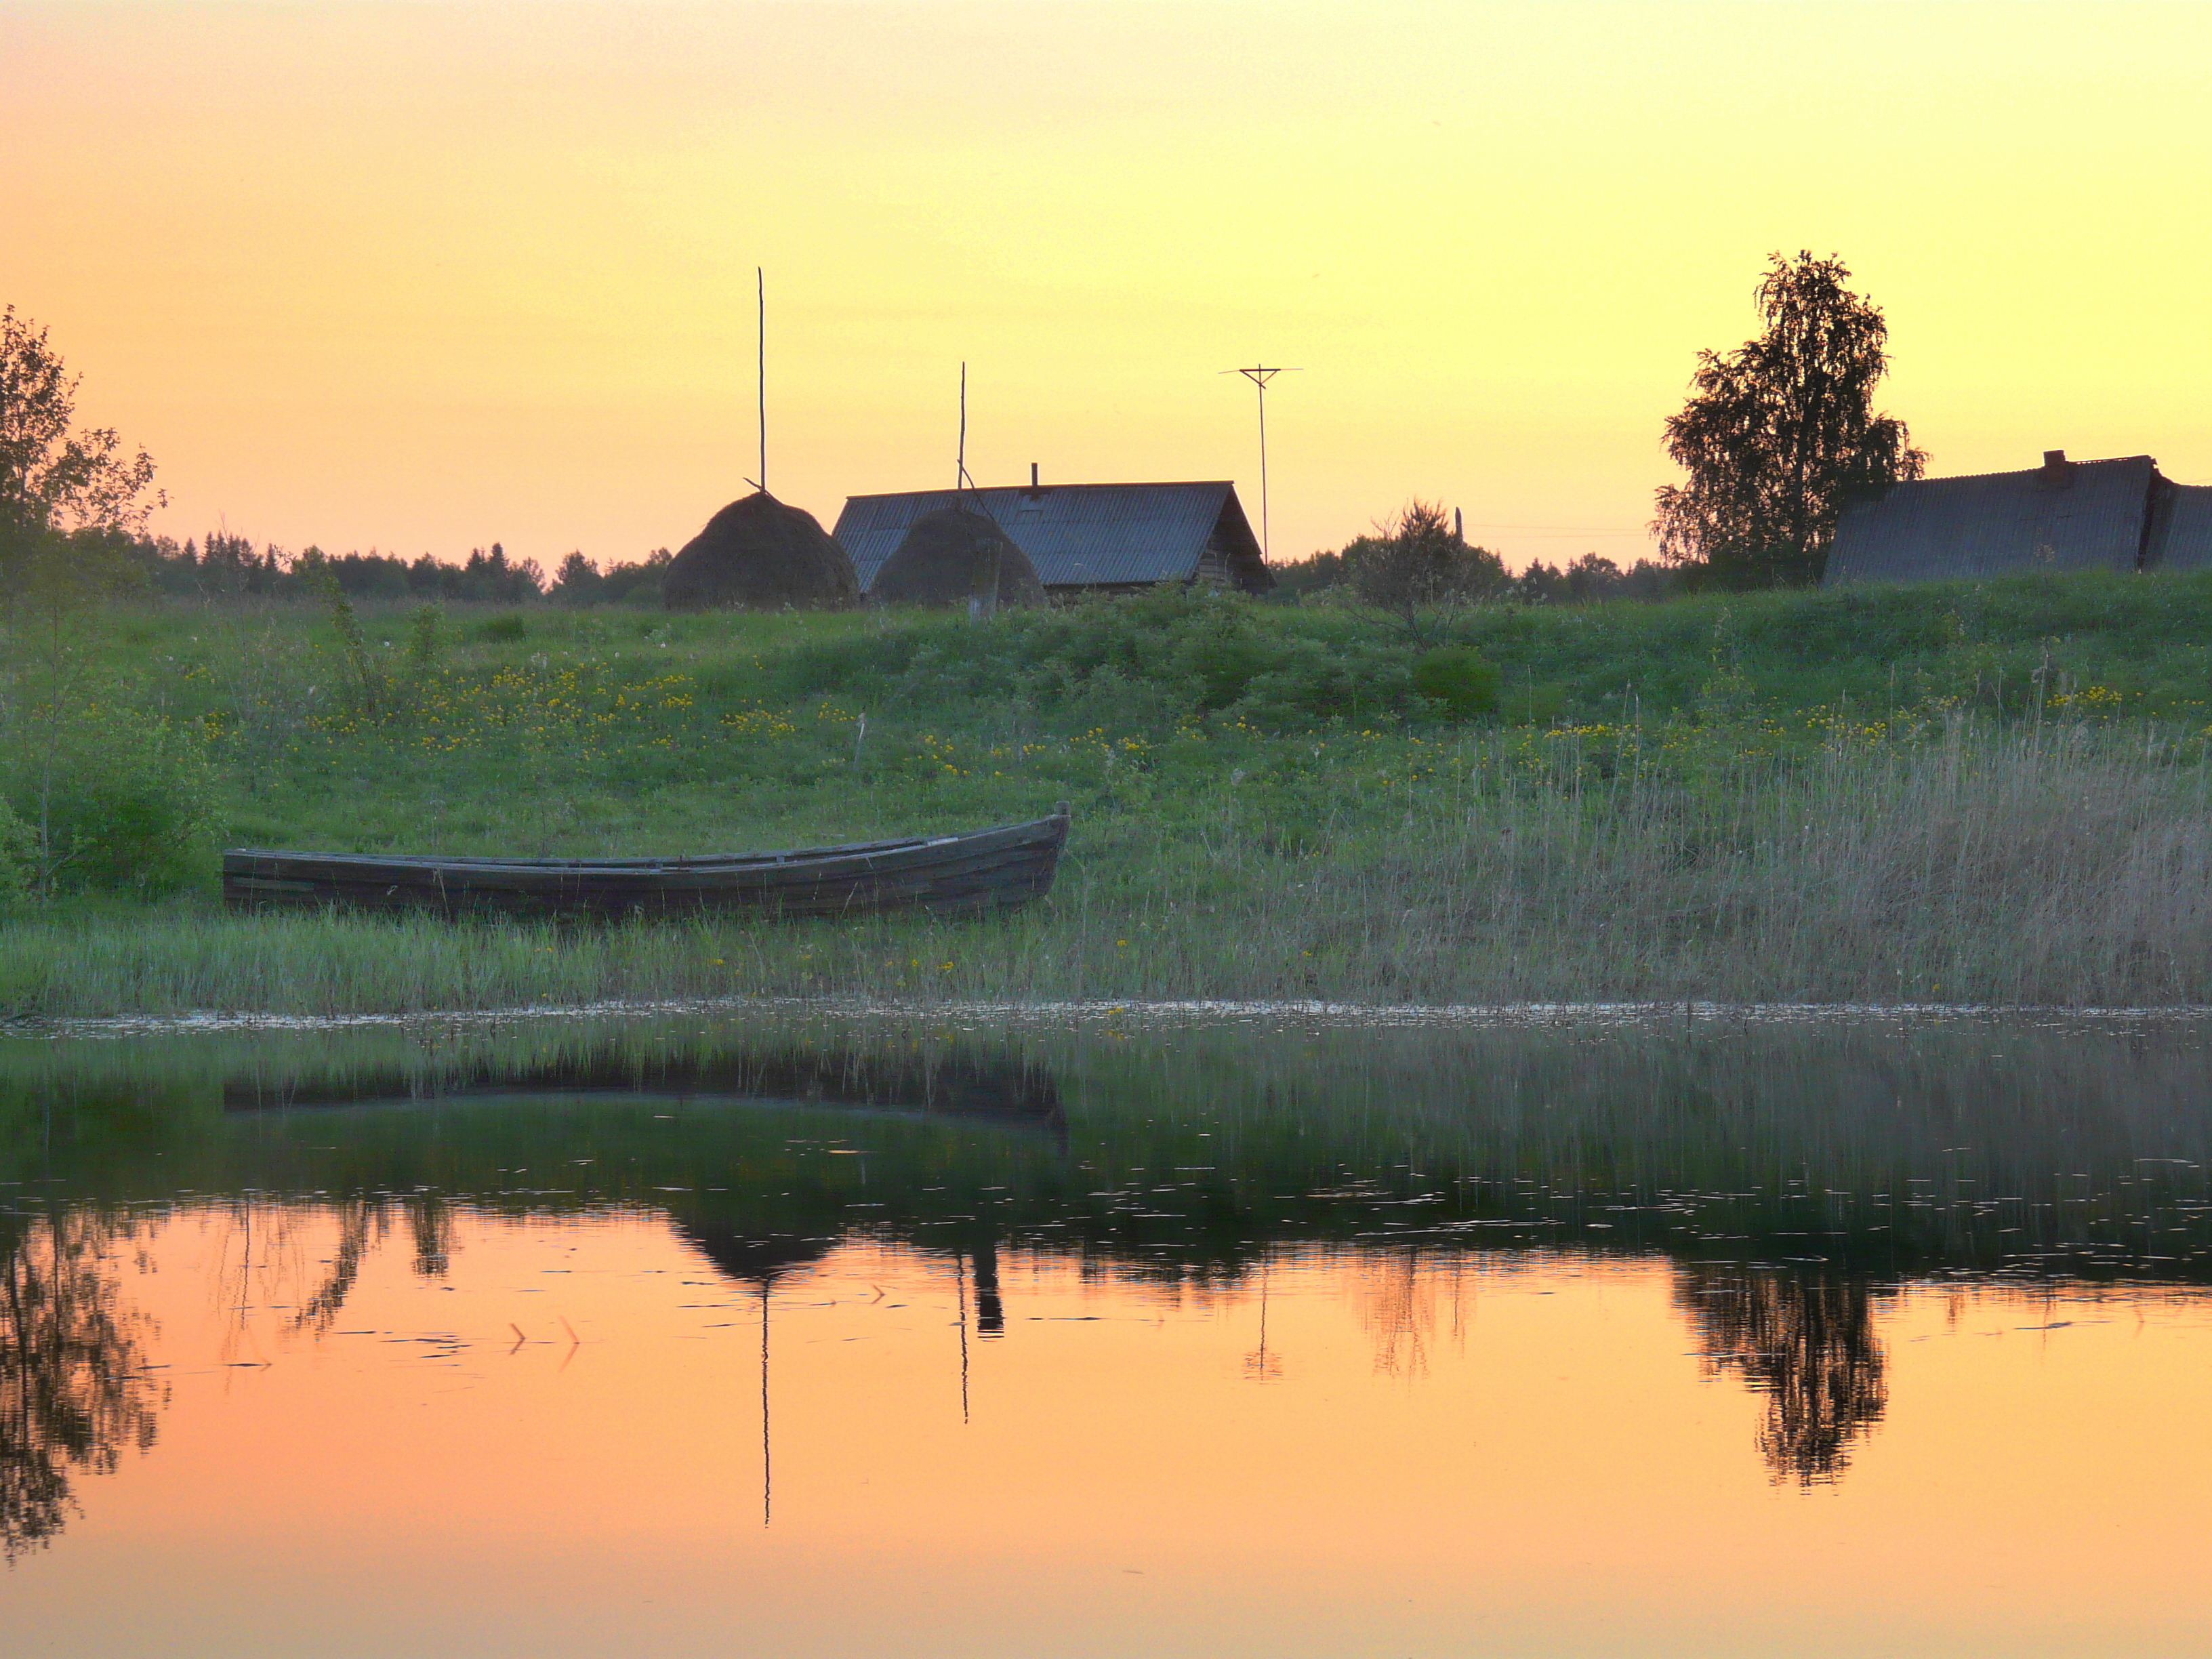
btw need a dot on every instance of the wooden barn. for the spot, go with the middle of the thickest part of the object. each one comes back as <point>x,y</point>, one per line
<point>1083,538</point>
<point>2120,514</point>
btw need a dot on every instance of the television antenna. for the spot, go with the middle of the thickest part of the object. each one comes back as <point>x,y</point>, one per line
<point>1260,375</point>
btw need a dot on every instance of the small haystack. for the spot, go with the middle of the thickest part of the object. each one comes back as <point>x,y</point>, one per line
<point>951,557</point>
<point>760,555</point>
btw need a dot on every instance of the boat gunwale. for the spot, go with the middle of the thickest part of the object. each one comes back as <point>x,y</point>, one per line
<point>854,858</point>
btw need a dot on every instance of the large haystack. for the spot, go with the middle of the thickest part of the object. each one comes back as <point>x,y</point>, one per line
<point>761,555</point>
<point>953,556</point>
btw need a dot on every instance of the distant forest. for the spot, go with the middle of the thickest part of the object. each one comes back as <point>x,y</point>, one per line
<point>1589,578</point>
<point>220,565</point>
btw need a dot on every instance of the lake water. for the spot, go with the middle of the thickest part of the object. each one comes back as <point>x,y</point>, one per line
<point>815,1335</point>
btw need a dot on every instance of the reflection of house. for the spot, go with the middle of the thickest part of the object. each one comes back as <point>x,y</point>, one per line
<point>1085,538</point>
<point>2063,515</point>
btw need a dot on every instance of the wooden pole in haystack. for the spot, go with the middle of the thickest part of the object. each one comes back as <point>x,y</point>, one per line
<point>760,279</point>
<point>986,605</point>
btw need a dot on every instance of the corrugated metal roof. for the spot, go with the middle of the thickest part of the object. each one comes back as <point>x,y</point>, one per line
<point>2082,515</point>
<point>1080,535</point>
<point>2182,538</point>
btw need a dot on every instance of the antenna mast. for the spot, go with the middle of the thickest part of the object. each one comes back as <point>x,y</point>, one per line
<point>1260,375</point>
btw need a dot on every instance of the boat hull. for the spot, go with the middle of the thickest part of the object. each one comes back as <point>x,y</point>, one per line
<point>973,874</point>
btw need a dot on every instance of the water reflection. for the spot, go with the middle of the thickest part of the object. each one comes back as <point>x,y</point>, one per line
<point>1808,1345</point>
<point>361,1221</point>
<point>73,1391</point>
<point>1396,1297</point>
<point>952,1080</point>
<point>1790,1187</point>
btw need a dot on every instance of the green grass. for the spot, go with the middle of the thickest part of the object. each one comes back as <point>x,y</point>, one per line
<point>1987,793</point>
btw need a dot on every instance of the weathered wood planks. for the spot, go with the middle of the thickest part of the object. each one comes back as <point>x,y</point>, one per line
<point>987,870</point>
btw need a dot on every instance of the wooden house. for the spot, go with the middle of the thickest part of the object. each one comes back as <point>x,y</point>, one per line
<point>2120,514</point>
<point>1083,538</point>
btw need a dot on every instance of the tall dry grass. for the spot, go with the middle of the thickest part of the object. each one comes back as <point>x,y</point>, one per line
<point>2060,865</point>
<point>2064,866</point>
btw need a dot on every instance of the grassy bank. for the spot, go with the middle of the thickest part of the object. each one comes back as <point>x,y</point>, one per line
<point>1994,796</point>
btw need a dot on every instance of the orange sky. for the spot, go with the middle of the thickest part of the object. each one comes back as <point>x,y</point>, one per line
<point>419,277</point>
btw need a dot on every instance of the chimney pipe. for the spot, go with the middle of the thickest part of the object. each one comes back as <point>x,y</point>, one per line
<point>2057,470</point>
<point>1033,475</point>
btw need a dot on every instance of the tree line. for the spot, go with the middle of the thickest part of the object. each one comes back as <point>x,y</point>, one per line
<point>1405,559</point>
<point>221,566</point>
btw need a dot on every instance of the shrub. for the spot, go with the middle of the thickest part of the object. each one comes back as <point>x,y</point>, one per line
<point>1419,571</point>
<point>426,639</point>
<point>1150,660</point>
<point>108,798</point>
<point>18,850</point>
<point>367,691</point>
<point>502,630</point>
<point>1219,668</point>
<point>1460,678</point>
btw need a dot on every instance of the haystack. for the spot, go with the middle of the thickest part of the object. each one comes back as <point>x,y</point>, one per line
<point>953,556</point>
<point>761,555</point>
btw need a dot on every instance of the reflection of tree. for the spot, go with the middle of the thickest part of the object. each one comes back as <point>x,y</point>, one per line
<point>361,1222</point>
<point>432,1224</point>
<point>72,1391</point>
<point>1397,1308</point>
<point>321,1309</point>
<point>1808,1344</point>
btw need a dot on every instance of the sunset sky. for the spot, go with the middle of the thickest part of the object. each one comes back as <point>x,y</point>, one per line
<point>419,277</point>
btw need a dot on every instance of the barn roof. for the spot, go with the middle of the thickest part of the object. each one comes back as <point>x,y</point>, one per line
<point>2181,529</point>
<point>2063,515</point>
<point>1082,535</point>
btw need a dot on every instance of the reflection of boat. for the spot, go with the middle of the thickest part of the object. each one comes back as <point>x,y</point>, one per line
<point>947,875</point>
<point>969,1085</point>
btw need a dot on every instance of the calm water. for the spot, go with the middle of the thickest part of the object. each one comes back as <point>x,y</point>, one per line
<point>860,1337</point>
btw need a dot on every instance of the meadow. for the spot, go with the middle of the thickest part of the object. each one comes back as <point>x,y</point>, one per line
<point>1993,794</point>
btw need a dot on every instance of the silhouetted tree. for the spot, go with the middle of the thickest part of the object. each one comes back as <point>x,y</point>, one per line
<point>1781,432</point>
<point>54,482</point>
<point>576,582</point>
<point>1419,570</point>
<point>1592,577</point>
<point>635,583</point>
<point>1299,580</point>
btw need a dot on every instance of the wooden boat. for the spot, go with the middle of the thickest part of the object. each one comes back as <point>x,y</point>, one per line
<point>987,870</point>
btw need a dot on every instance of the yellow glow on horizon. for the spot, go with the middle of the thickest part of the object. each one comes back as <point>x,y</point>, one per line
<point>424,277</point>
